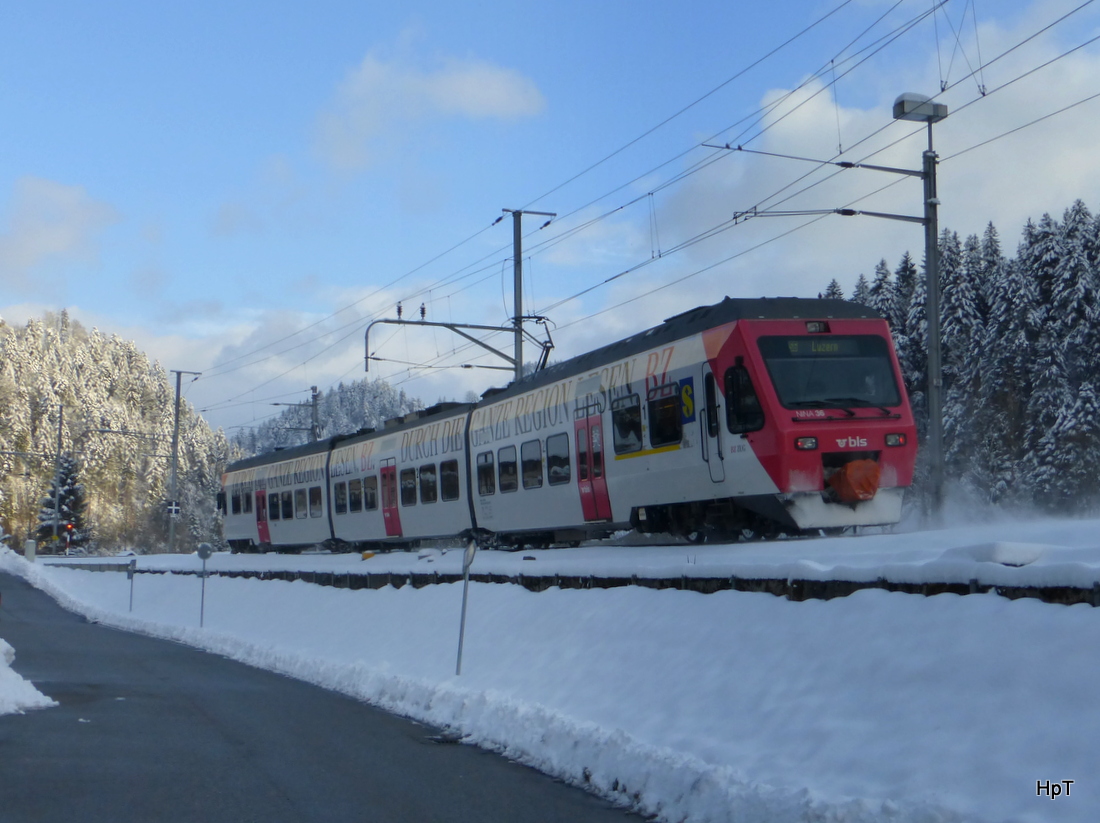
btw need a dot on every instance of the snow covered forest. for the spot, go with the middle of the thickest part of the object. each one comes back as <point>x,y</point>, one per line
<point>1021,360</point>
<point>116,412</point>
<point>345,409</point>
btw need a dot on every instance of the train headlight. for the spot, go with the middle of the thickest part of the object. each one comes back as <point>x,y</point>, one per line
<point>895,440</point>
<point>805,443</point>
<point>817,327</point>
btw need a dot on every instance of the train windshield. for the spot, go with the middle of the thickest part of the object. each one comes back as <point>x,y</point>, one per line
<point>834,371</point>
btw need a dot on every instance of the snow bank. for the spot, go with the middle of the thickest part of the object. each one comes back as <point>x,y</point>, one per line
<point>721,707</point>
<point>16,694</point>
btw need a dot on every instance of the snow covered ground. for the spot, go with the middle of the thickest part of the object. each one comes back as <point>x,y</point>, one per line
<point>729,706</point>
<point>16,694</point>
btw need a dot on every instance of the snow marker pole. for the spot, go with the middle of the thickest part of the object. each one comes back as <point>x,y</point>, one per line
<point>205,550</point>
<point>202,601</point>
<point>468,558</point>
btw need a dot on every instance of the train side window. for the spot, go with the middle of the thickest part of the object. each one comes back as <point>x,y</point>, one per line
<point>408,487</point>
<point>509,474</point>
<point>288,506</point>
<point>355,495</point>
<point>429,490</point>
<point>710,391</point>
<point>626,424</point>
<point>743,411</point>
<point>273,506</point>
<point>247,502</point>
<point>448,480</point>
<point>236,502</point>
<point>557,459</point>
<point>582,454</point>
<point>530,454</point>
<point>486,474</point>
<point>597,450</point>
<point>316,501</point>
<point>666,422</point>
<point>370,493</point>
<point>340,497</point>
<point>300,507</point>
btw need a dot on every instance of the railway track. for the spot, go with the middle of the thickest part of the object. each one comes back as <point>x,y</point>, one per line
<point>790,588</point>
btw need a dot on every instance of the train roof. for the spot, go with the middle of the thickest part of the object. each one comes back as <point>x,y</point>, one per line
<point>438,411</point>
<point>686,324</point>
<point>278,456</point>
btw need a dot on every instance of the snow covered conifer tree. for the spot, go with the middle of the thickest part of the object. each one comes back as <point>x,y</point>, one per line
<point>962,338</point>
<point>1040,255</point>
<point>992,266</point>
<point>915,342</point>
<point>905,283</point>
<point>833,291</point>
<point>71,512</point>
<point>881,294</point>
<point>1074,293</point>
<point>862,292</point>
<point>1070,333</point>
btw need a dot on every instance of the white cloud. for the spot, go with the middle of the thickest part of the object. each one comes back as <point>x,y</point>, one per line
<point>50,224</point>
<point>381,97</point>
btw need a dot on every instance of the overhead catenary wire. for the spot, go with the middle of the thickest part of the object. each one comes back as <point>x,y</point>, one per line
<point>694,103</point>
<point>983,93</point>
<point>710,232</point>
<point>220,369</point>
<point>760,113</point>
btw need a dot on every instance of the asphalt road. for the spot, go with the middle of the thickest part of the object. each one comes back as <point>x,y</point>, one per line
<point>150,730</point>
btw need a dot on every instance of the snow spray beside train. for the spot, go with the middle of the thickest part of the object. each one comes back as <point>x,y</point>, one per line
<point>747,418</point>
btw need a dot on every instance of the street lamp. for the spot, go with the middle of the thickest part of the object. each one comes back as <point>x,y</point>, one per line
<point>910,106</point>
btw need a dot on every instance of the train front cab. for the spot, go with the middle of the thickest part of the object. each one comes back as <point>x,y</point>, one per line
<point>822,405</point>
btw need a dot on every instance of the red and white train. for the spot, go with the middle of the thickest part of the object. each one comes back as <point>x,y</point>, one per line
<point>745,418</point>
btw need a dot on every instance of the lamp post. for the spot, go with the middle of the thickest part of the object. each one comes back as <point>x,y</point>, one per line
<point>173,480</point>
<point>917,107</point>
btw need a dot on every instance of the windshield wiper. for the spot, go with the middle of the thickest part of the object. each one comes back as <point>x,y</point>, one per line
<point>856,401</point>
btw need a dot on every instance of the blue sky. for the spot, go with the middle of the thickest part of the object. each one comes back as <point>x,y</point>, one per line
<point>208,179</point>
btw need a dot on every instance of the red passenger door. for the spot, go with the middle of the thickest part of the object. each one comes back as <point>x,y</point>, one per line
<point>595,502</point>
<point>261,517</point>
<point>389,499</point>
